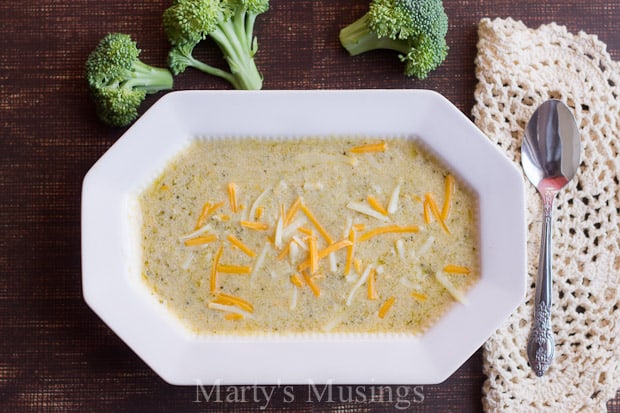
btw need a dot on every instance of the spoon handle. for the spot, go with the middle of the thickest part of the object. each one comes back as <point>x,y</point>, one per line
<point>540,348</point>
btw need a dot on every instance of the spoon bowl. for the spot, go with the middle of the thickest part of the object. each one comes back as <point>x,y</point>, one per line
<point>550,156</point>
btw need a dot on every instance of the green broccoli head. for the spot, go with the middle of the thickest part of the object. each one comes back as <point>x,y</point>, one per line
<point>117,106</point>
<point>230,23</point>
<point>253,6</point>
<point>415,28</point>
<point>425,57</point>
<point>191,21</point>
<point>119,81</point>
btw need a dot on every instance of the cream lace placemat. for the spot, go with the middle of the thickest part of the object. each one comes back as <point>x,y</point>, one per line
<point>517,69</point>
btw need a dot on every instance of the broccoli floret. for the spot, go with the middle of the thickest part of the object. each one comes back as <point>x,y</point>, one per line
<point>119,81</point>
<point>230,23</point>
<point>415,28</point>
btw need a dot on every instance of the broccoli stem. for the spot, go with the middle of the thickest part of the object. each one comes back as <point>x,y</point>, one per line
<point>148,78</point>
<point>231,37</point>
<point>358,38</point>
<point>182,56</point>
<point>249,31</point>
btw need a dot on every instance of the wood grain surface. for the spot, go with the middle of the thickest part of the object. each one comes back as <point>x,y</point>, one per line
<point>55,353</point>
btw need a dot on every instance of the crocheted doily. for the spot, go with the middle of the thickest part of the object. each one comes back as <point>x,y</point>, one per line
<point>517,69</point>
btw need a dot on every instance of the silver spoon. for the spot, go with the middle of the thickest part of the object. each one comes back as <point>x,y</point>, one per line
<point>550,156</point>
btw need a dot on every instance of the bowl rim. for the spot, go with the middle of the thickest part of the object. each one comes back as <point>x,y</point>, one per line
<point>110,264</point>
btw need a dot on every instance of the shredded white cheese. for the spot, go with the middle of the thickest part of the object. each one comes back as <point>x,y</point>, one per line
<point>365,209</point>
<point>313,186</point>
<point>300,242</point>
<point>259,261</point>
<point>454,292</point>
<point>393,203</point>
<point>293,252</point>
<point>333,264</point>
<point>293,227</point>
<point>278,234</point>
<point>406,282</point>
<point>188,261</point>
<point>400,249</point>
<point>256,204</point>
<point>347,227</point>
<point>426,246</point>
<point>359,283</point>
<point>293,302</point>
<point>351,278</point>
<point>195,233</point>
<point>333,323</point>
<point>229,309</point>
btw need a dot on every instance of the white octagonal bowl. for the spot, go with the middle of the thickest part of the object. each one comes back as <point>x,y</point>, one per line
<point>111,252</point>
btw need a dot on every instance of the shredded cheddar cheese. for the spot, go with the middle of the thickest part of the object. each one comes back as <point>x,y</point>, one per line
<point>388,229</point>
<point>371,147</point>
<point>233,269</point>
<point>207,210</point>
<point>296,281</point>
<point>419,296</point>
<point>430,200</point>
<point>456,269</point>
<point>427,212</point>
<point>372,290</point>
<point>383,310</point>
<point>305,231</point>
<point>447,200</point>
<point>314,255</point>
<point>334,247</point>
<point>316,223</point>
<point>359,227</point>
<point>350,252</point>
<point>374,204</point>
<point>228,299</point>
<point>239,244</point>
<point>257,226</point>
<point>232,197</point>
<point>214,264</point>
<point>292,211</point>
<point>203,215</point>
<point>200,240</point>
<point>324,253</point>
<point>310,281</point>
<point>285,251</point>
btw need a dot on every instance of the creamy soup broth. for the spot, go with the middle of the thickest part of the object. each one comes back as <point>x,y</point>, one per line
<point>308,235</point>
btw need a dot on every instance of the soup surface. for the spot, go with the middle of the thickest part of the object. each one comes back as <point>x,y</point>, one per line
<point>309,235</point>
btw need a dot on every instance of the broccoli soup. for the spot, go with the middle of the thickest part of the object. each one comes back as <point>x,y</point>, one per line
<point>309,235</point>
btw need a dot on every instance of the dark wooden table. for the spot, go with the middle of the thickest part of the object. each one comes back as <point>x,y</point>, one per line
<point>55,353</point>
